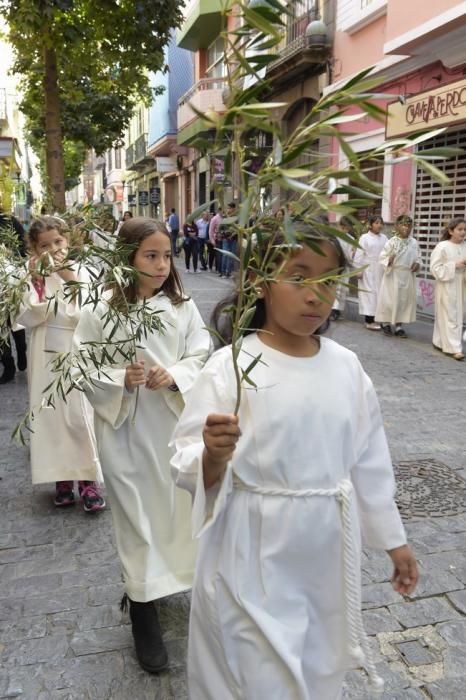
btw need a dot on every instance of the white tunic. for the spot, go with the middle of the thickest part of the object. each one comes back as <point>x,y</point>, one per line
<point>342,289</point>
<point>63,445</point>
<point>268,616</point>
<point>450,295</point>
<point>151,517</point>
<point>367,256</point>
<point>397,294</point>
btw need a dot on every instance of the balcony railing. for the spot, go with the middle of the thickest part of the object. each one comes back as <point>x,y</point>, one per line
<point>140,148</point>
<point>207,94</point>
<point>129,158</point>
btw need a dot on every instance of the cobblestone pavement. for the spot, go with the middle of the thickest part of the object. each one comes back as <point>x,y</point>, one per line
<point>62,636</point>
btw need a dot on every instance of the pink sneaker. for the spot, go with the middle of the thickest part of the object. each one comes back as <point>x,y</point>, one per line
<point>64,493</point>
<point>91,496</point>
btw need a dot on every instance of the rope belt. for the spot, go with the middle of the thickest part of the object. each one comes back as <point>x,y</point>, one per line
<point>358,644</point>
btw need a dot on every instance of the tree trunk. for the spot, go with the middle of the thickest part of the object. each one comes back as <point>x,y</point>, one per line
<point>53,135</point>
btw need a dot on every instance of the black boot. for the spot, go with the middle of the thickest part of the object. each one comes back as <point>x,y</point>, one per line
<point>20,342</point>
<point>9,369</point>
<point>150,649</point>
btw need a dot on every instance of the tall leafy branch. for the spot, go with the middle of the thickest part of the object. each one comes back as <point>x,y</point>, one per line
<point>84,68</point>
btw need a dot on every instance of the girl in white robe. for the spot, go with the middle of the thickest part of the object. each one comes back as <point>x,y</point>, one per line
<point>151,517</point>
<point>367,256</point>
<point>63,447</point>
<point>448,266</point>
<point>281,493</point>
<point>400,259</point>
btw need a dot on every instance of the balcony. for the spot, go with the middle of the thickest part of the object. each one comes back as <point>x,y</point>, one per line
<point>205,95</point>
<point>203,23</point>
<point>137,157</point>
<point>298,55</point>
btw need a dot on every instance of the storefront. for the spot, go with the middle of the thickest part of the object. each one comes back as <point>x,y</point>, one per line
<point>413,189</point>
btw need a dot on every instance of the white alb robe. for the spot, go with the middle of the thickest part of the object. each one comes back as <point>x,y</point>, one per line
<point>368,256</point>
<point>342,289</point>
<point>151,516</point>
<point>450,295</point>
<point>63,445</point>
<point>268,615</point>
<point>397,295</point>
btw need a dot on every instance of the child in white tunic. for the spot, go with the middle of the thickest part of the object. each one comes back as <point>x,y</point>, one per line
<point>448,266</point>
<point>367,256</point>
<point>281,493</point>
<point>72,456</point>
<point>150,516</point>
<point>397,296</point>
<point>346,226</point>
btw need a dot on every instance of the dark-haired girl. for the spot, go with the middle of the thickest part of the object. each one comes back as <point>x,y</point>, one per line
<point>151,517</point>
<point>367,258</point>
<point>448,266</point>
<point>281,492</point>
<point>63,448</point>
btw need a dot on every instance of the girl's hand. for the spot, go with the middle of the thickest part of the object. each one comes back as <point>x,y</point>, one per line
<point>391,260</point>
<point>158,378</point>
<point>135,375</point>
<point>221,433</point>
<point>415,267</point>
<point>460,265</point>
<point>405,573</point>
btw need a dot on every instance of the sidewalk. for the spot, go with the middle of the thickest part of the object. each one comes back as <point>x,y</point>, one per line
<point>63,637</point>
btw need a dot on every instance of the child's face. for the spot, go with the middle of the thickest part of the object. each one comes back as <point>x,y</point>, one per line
<point>457,234</point>
<point>52,242</point>
<point>403,229</point>
<point>294,305</point>
<point>153,259</point>
<point>377,226</point>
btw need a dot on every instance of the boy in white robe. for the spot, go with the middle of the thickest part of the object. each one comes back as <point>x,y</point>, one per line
<point>397,295</point>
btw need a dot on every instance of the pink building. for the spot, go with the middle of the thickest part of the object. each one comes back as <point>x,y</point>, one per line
<point>418,49</point>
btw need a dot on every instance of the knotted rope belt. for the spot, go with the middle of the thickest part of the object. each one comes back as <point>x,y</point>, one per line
<point>358,644</point>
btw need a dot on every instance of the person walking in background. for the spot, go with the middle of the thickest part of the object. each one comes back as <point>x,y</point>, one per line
<point>174,228</point>
<point>346,226</point>
<point>63,446</point>
<point>150,516</point>
<point>203,237</point>
<point>275,609</point>
<point>9,223</point>
<point>400,259</point>
<point>367,256</point>
<point>448,266</point>
<point>215,238</point>
<point>229,243</point>
<point>190,244</point>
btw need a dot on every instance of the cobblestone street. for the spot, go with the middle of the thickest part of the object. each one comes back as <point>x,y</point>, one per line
<point>63,637</point>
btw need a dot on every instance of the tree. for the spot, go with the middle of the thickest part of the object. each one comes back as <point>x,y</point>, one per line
<point>84,66</point>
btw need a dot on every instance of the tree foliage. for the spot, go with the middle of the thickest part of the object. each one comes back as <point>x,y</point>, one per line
<point>104,52</point>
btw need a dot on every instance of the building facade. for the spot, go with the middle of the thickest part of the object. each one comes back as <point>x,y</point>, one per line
<point>418,52</point>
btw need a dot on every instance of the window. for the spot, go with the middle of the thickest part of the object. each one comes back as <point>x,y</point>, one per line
<point>352,15</point>
<point>109,160</point>
<point>215,59</point>
<point>117,158</point>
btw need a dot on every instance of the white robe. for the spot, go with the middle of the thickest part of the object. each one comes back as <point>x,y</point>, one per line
<point>450,295</point>
<point>367,256</point>
<point>63,445</point>
<point>342,289</point>
<point>268,613</point>
<point>397,294</point>
<point>151,517</point>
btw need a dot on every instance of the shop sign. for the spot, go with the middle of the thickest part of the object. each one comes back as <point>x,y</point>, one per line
<point>428,110</point>
<point>165,165</point>
<point>143,198</point>
<point>131,200</point>
<point>217,168</point>
<point>155,195</point>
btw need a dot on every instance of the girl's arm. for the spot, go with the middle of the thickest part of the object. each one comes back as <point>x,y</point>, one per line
<point>197,348</point>
<point>360,255</point>
<point>443,270</point>
<point>104,386</point>
<point>197,465</point>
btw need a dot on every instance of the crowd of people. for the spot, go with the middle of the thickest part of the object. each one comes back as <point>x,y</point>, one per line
<point>227,501</point>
